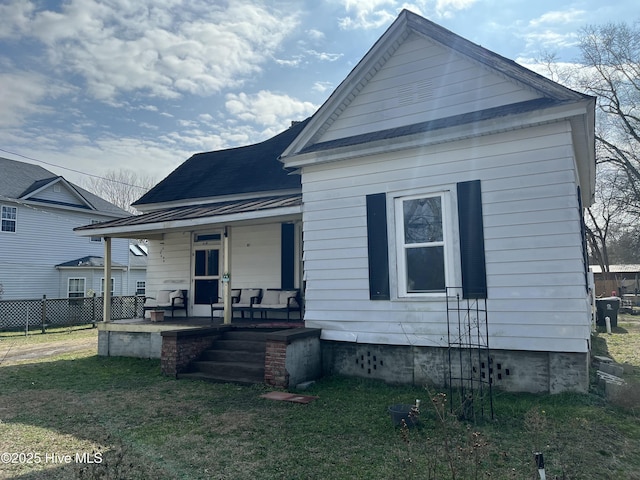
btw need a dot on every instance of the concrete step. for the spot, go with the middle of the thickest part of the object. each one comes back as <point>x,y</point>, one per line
<point>225,355</point>
<point>254,334</point>
<point>220,378</point>
<point>230,368</point>
<point>239,345</point>
<point>237,357</point>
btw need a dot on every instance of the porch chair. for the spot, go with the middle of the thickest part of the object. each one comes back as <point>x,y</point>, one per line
<point>278,300</point>
<point>241,300</point>
<point>168,300</point>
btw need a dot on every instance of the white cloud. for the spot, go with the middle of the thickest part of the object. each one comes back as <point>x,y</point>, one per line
<point>268,109</point>
<point>324,56</point>
<point>367,14</point>
<point>181,47</point>
<point>322,86</point>
<point>315,35</point>
<point>559,17</point>
<point>23,94</point>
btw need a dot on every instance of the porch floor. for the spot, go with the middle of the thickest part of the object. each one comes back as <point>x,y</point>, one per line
<point>177,323</point>
<point>140,337</point>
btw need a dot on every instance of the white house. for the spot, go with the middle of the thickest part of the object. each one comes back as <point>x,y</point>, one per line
<point>39,252</point>
<point>437,164</point>
<point>437,174</point>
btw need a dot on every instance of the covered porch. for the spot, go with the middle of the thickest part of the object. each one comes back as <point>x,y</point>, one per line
<point>210,251</point>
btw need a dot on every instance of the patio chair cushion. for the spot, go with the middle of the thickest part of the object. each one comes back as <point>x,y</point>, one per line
<point>246,295</point>
<point>285,295</point>
<point>177,294</point>
<point>271,297</point>
<point>163,297</point>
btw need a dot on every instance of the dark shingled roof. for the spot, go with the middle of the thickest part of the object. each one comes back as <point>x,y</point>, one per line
<point>19,179</point>
<point>248,169</point>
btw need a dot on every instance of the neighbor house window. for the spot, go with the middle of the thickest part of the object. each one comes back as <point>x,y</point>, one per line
<point>422,244</point>
<point>76,287</point>
<point>95,238</point>
<point>110,286</point>
<point>140,288</point>
<point>9,218</point>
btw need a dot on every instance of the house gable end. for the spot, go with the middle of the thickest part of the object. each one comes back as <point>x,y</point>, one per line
<point>421,82</point>
<point>56,191</point>
<point>420,72</point>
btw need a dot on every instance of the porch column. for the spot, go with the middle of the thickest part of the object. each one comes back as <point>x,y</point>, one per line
<point>226,270</point>
<point>106,296</point>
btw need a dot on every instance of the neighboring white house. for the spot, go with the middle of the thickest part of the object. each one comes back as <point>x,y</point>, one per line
<point>436,171</point>
<point>39,252</point>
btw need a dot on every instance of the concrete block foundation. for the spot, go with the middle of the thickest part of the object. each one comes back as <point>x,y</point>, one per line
<point>508,370</point>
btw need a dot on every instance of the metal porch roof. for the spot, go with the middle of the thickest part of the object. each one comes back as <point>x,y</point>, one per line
<point>201,211</point>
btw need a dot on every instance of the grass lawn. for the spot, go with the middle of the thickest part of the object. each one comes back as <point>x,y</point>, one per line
<point>138,424</point>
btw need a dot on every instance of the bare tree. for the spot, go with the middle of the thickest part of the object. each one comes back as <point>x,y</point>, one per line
<point>609,68</point>
<point>120,187</point>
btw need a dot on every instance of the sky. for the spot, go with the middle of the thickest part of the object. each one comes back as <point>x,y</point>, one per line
<point>89,87</point>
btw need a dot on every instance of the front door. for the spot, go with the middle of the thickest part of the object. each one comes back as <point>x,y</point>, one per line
<point>206,279</point>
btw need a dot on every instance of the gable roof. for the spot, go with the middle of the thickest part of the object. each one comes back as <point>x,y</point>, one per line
<point>89,262</point>
<point>551,102</point>
<point>21,181</point>
<point>242,170</point>
<point>406,24</point>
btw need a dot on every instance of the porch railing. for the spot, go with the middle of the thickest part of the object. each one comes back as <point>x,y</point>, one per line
<point>61,312</point>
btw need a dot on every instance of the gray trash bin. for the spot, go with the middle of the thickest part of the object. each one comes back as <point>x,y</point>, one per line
<point>607,307</point>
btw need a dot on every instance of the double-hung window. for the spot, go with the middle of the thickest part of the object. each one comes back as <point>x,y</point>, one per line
<point>76,287</point>
<point>9,218</point>
<point>111,284</point>
<point>421,240</point>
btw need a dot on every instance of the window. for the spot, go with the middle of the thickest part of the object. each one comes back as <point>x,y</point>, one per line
<point>76,287</point>
<point>9,218</point>
<point>421,242</point>
<point>102,286</point>
<point>96,238</point>
<point>141,288</point>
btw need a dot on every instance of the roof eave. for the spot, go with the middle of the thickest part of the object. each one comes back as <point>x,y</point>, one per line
<point>449,134</point>
<point>153,230</point>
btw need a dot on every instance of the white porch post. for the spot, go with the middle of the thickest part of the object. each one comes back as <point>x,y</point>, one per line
<point>106,296</point>
<point>226,271</point>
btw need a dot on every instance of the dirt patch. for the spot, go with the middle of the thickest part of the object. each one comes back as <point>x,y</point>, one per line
<point>13,353</point>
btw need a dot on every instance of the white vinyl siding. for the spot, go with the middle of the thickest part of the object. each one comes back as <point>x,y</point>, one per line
<point>61,195</point>
<point>29,258</point>
<point>533,251</point>
<point>423,81</point>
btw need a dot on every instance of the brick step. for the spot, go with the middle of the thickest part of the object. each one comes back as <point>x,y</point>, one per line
<point>220,378</point>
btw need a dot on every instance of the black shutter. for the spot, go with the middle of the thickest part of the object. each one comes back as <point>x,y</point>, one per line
<point>474,273</point>
<point>378,247</point>
<point>287,256</point>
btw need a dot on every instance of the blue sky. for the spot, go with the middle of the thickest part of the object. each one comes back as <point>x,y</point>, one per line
<point>94,86</point>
